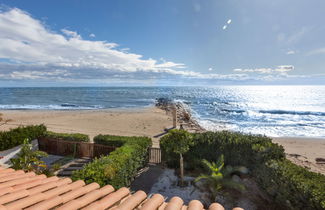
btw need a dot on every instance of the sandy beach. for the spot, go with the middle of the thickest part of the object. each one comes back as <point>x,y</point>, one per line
<point>304,151</point>
<point>130,122</point>
<point>146,122</point>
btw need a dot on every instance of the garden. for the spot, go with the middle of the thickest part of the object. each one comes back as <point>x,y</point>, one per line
<point>227,160</point>
<point>213,166</point>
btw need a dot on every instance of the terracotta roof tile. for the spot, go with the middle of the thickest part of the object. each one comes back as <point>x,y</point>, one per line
<point>153,203</point>
<point>10,172</point>
<point>175,203</point>
<point>87,198</point>
<point>20,190</point>
<point>109,200</point>
<point>133,201</point>
<point>195,205</point>
<point>216,206</point>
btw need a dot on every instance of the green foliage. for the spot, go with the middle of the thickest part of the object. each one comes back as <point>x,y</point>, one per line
<point>110,140</point>
<point>67,136</point>
<point>220,177</point>
<point>120,166</point>
<point>29,160</point>
<point>177,141</point>
<point>291,185</point>
<point>15,137</point>
<point>238,149</point>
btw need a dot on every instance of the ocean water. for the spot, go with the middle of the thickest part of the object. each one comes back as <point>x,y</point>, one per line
<point>269,110</point>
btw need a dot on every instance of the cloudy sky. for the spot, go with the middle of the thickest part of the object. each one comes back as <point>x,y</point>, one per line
<point>161,42</point>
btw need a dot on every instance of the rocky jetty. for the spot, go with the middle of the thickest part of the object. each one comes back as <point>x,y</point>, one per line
<point>184,116</point>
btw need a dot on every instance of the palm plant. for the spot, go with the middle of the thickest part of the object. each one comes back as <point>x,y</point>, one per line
<point>29,160</point>
<point>220,176</point>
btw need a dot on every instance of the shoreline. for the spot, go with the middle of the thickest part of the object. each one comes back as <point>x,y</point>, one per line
<point>304,151</point>
<point>150,121</point>
<point>147,121</point>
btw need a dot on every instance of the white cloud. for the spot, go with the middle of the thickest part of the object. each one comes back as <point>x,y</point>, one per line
<point>291,52</point>
<point>92,35</point>
<point>29,50</point>
<point>71,34</point>
<point>283,69</point>
<point>26,40</point>
<point>294,37</point>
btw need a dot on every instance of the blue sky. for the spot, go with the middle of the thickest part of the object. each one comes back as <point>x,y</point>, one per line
<point>161,42</point>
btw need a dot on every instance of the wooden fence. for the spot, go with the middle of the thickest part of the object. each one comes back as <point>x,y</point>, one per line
<point>154,155</point>
<point>74,148</point>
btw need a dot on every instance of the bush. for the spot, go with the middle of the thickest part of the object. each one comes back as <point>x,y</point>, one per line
<point>110,140</point>
<point>291,186</point>
<point>67,136</point>
<point>120,166</point>
<point>238,149</point>
<point>29,160</point>
<point>15,137</point>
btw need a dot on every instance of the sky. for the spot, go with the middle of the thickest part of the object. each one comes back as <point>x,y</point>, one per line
<point>162,42</point>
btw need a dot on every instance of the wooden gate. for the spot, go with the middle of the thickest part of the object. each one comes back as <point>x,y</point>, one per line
<point>154,155</point>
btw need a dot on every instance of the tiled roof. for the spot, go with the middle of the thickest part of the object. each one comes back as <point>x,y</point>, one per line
<point>20,190</point>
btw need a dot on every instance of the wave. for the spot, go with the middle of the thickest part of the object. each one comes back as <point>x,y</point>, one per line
<point>275,112</point>
<point>292,112</point>
<point>64,106</point>
<point>234,110</point>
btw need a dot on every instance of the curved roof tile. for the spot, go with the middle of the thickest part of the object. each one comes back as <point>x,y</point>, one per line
<point>20,190</point>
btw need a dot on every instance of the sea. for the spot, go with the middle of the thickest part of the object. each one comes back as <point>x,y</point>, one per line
<point>297,111</point>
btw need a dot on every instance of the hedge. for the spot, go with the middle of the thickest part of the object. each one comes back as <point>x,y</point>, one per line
<point>237,148</point>
<point>120,166</point>
<point>67,136</point>
<point>111,140</point>
<point>16,136</point>
<point>291,186</point>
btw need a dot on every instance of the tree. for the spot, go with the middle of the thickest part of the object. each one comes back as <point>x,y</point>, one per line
<point>29,160</point>
<point>3,121</point>
<point>220,177</point>
<point>179,142</point>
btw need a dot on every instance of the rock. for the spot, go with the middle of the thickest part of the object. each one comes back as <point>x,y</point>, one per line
<point>236,178</point>
<point>320,160</point>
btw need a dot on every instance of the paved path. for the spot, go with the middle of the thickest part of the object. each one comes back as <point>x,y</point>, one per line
<point>147,178</point>
<point>76,164</point>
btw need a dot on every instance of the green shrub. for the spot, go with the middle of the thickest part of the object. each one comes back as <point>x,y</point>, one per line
<point>238,149</point>
<point>291,186</point>
<point>178,142</point>
<point>67,136</point>
<point>16,136</point>
<point>120,166</point>
<point>110,140</point>
<point>29,160</point>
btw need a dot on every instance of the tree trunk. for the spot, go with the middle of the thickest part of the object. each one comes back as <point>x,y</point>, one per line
<point>181,167</point>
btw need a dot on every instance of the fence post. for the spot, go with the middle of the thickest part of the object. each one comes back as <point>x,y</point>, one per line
<point>174,117</point>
